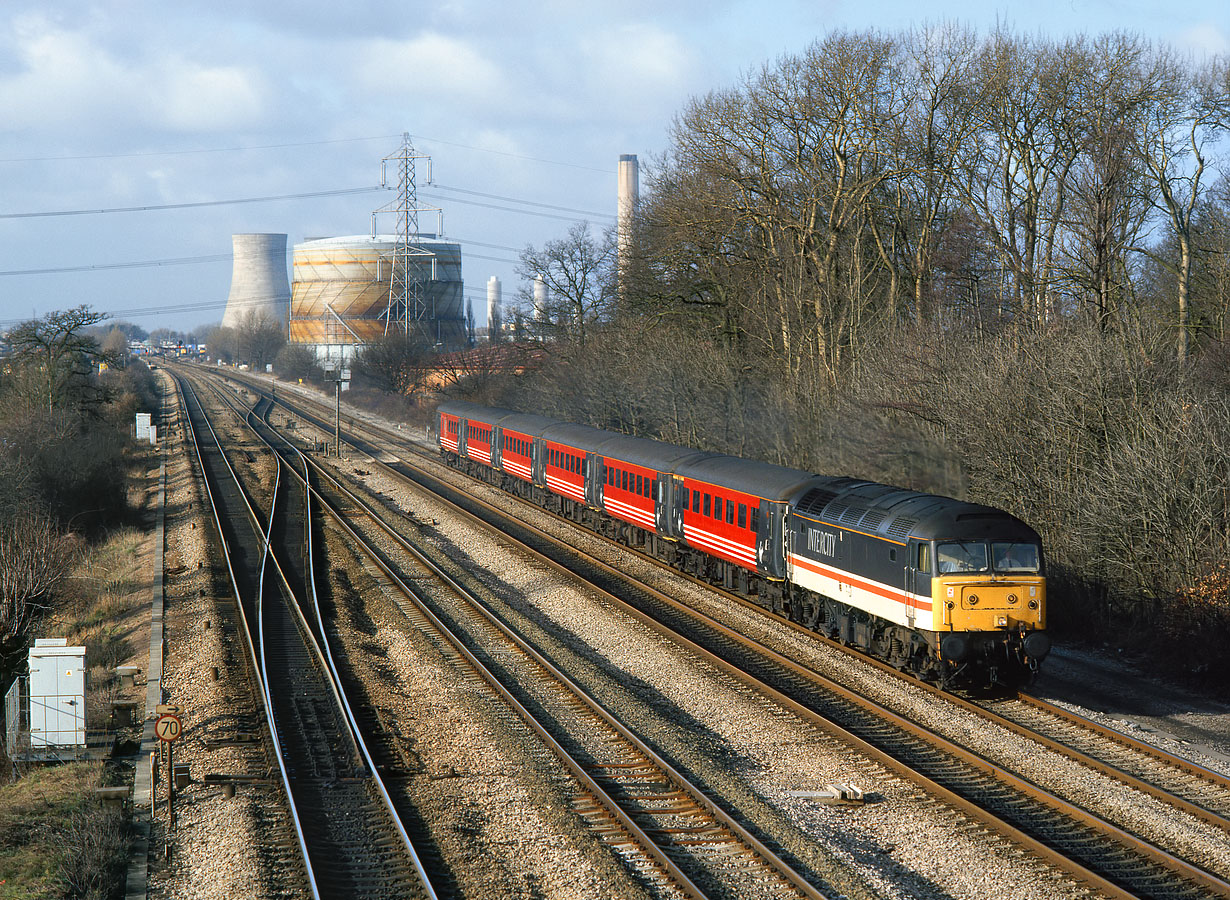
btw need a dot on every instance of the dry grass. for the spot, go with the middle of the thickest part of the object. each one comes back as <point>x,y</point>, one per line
<point>55,840</point>
<point>107,588</point>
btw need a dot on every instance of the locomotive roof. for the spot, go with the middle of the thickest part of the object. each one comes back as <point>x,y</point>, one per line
<point>899,514</point>
<point>866,506</point>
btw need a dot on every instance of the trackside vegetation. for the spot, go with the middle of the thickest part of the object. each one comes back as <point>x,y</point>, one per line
<point>69,568</point>
<point>994,267</point>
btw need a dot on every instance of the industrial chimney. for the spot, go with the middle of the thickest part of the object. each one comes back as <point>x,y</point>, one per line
<point>495,310</point>
<point>541,297</point>
<point>259,285</point>
<point>629,194</point>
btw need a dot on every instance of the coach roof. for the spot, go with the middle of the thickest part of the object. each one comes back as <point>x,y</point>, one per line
<point>649,454</point>
<point>748,476</point>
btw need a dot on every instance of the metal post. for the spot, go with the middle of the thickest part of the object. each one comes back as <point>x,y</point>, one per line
<point>170,791</point>
<point>337,421</point>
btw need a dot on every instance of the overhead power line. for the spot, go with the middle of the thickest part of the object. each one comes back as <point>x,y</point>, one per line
<point>583,212</point>
<point>198,150</point>
<point>381,137</point>
<point>143,264</point>
<point>199,203</point>
<point>522,212</point>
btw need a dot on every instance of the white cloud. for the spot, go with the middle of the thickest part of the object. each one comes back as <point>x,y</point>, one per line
<point>60,79</point>
<point>208,98</point>
<point>431,65</point>
<point>1206,38</point>
<point>640,67</point>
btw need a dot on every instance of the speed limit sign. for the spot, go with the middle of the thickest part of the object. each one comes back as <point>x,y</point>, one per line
<point>168,727</point>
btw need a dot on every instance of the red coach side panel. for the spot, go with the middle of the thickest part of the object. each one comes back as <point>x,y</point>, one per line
<point>517,458</point>
<point>721,521</point>
<point>564,469</point>
<point>628,492</point>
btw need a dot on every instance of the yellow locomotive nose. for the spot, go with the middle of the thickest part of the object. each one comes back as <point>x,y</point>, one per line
<point>982,605</point>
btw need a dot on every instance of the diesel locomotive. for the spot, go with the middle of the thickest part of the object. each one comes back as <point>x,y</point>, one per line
<point>949,591</point>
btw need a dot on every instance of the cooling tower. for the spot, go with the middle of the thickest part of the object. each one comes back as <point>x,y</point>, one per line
<point>258,279</point>
<point>341,291</point>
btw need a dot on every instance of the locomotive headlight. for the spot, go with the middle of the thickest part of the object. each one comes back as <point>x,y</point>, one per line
<point>972,599</point>
<point>1012,598</point>
<point>1033,604</point>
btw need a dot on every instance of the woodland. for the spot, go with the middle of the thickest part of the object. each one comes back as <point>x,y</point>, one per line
<point>992,267</point>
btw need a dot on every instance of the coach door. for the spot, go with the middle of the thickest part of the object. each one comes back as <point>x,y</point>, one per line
<point>661,506</point>
<point>917,575</point>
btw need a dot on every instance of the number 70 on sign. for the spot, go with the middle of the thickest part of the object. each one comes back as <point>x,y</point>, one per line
<point>168,727</point>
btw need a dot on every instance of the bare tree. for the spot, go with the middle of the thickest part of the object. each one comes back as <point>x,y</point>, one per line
<point>34,557</point>
<point>577,272</point>
<point>58,347</point>
<point>1187,113</point>
<point>258,338</point>
<point>397,363</point>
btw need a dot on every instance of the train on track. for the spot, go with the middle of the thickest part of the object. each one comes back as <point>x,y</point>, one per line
<point>949,591</point>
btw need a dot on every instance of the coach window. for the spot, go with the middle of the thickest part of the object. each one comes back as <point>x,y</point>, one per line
<point>742,515</point>
<point>683,498</point>
<point>696,502</point>
<point>730,512</point>
<point>640,484</point>
<point>708,505</point>
<point>755,525</point>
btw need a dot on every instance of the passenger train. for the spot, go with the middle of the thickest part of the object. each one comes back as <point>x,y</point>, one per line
<point>948,591</point>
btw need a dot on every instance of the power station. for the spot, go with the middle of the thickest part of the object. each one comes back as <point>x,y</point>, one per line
<point>259,289</point>
<point>351,290</point>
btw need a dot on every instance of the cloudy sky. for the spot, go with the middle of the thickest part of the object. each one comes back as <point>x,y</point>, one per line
<point>111,109</point>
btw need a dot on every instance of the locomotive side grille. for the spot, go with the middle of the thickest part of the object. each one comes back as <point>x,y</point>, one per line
<point>873,519</point>
<point>815,500</point>
<point>901,527</point>
<point>853,514</point>
<point>834,510</point>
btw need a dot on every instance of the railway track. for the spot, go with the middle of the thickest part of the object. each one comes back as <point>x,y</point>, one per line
<point>668,829</point>
<point>352,843</point>
<point>1051,826</point>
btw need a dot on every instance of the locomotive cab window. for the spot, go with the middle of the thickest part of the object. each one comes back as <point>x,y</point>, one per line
<point>961,556</point>
<point>1013,557</point>
<point>923,563</point>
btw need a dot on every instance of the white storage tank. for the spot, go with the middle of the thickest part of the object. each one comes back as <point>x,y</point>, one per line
<point>57,694</point>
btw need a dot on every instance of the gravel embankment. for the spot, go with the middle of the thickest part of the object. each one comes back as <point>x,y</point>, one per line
<point>903,842</point>
<point>222,848</point>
